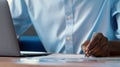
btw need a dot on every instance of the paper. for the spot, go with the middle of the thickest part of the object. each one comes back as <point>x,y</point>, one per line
<point>68,58</point>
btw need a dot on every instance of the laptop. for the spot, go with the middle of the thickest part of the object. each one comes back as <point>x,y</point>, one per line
<point>8,40</point>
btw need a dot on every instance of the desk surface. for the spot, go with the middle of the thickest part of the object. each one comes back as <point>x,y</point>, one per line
<point>59,60</point>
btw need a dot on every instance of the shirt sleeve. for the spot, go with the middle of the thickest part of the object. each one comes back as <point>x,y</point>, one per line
<point>116,14</point>
<point>20,15</point>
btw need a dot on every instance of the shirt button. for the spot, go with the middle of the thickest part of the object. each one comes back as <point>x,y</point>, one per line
<point>68,17</point>
<point>68,38</point>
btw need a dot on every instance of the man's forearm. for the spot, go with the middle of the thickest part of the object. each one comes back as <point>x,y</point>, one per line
<point>114,48</point>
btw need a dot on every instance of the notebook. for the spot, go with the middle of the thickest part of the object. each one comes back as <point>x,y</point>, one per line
<point>8,41</point>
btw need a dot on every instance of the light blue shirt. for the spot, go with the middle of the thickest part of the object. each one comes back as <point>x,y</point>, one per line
<point>64,25</point>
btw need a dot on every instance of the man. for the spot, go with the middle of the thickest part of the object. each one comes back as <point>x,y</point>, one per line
<point>64,25</point>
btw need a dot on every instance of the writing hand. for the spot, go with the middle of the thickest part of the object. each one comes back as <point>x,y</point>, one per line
<point>97,46</point>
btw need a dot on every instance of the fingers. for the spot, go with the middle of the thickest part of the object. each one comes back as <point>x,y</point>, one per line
<point>93,43</point>
<point>86,43</point>
<point>84,46</point>
<point>100,52</point>
<point>98,46</point>
<point>95,40</point>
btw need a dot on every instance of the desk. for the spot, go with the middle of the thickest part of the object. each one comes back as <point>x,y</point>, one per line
<point>78,61</point>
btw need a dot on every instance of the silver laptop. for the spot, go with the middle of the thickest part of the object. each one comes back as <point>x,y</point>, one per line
<point>8,41</point>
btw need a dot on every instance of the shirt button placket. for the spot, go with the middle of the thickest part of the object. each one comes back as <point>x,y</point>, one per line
<point>69,27</point>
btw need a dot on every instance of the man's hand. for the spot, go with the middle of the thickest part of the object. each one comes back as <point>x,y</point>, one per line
<point>97,46</point>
